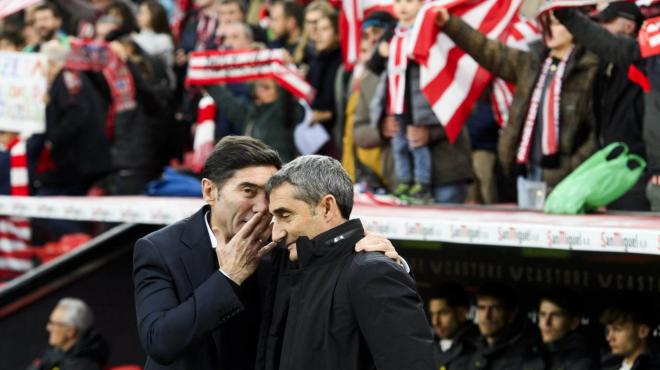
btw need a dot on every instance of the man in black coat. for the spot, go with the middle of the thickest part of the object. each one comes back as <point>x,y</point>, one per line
<point>564,345</point>
<point>332,308</point>
<point>508,340</point>
<point>455,334</point>
<point>199,283</point>
<point>629,323</point>
<point>619,103</point>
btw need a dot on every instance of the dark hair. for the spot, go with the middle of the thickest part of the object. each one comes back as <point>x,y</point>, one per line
<point>294,10</point>
<point>241,4</point>
<point>234,153</point>
<point>12,35</point>
<point>48,6</point>
<point>158,15</point>
<point>128,23</point>
<point>630,309</point>
<point>568,300</point>
<point>501,292</point>
<point>452,293</point>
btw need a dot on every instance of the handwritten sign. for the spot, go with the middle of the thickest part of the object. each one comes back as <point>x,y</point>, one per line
<point>22,92</point>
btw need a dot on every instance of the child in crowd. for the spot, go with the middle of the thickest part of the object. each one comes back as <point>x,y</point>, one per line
<point>405,100</point>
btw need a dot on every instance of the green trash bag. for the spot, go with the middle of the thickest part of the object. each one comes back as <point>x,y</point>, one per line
<point>612,180</point>
<point>601,179</point>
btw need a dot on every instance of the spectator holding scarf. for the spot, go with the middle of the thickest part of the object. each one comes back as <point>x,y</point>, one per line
<point>550,128</point>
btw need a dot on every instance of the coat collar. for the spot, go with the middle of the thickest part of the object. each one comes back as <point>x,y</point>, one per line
<point>337,241</point>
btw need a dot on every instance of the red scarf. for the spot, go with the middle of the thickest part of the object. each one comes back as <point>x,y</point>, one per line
<point>549,114</point>
<point>15,232</point>
<point>18,168</point>
<point>204,132</point>
<point>396,71</point>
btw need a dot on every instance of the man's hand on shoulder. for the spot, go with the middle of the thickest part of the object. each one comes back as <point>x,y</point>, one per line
<point>378,243</point>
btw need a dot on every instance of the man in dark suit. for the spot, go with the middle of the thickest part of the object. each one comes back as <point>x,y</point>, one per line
<point>333,308</point>
<point>199,283</point>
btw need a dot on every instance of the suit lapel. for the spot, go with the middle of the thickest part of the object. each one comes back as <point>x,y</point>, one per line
<point>199,262</point>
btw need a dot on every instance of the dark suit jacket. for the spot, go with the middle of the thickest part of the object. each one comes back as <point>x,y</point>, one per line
<point>191,316</point>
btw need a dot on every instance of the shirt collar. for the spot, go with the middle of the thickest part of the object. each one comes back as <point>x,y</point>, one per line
<point>214,241</point>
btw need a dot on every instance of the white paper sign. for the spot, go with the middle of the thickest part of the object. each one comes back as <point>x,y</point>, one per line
<point>310,138</point>
<point>23,87</point>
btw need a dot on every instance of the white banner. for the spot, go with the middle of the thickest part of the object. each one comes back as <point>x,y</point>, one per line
<point>22,92</point>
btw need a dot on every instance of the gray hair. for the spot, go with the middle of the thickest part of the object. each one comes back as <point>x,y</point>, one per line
<point>316,176</point>
<point>76,313</point>
<point>247,31</point>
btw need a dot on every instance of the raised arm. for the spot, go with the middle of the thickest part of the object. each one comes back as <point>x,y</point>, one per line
<point>619,50</point>
<point>499,59</point>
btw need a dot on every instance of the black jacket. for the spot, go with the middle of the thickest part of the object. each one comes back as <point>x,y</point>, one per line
<point>190,316</point>
<point>516,347</point>
<point>75,132</point>
<point>643,362</point>
<point>457,357</point>
<point>346,311</point>
<point>573,352</point>
<point>622,102</point>
<point>90,352</point>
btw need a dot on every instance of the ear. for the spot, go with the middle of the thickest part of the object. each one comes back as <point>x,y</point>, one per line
<point>209,192</point>
<point>329,207</point>
<point>629,28</point>
<point>643,331</point>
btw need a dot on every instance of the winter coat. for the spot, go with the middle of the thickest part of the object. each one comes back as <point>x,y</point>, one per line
<point>572,352</point>
<point>516,347</point>
<point>341,310</point>
<point>458,356</point>
<point>75,133</point>
<point>90,352</point>
<point>622,53</point>
<point>576,132</point>
<point>272,123</point>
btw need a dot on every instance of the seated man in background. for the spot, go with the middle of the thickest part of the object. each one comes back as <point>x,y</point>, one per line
<point>455,334</point>
<point>564,345</point>
<point>73,343</point>
<point>629,325</point>
<point>508,340</point>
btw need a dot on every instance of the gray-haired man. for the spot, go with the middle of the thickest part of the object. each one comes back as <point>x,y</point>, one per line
<point>331,307</point>
<point>73,342</point>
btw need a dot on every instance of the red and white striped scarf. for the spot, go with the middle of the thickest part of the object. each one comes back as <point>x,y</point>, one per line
<point>204,132</point>
<point>18,168</point>
<point>550,110</point>
<point>230,66</point>
<point>396,70</point>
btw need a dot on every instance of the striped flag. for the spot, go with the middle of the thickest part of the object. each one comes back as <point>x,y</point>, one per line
<point>449,78</point>
<point>524,32</point>
<point>649,37</point>
<point>228,66</point>
<point>9,7</point>
<point>353,12</point>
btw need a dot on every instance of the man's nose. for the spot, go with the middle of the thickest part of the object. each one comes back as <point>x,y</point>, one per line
<point>278,231</point>
<point>260,203</point>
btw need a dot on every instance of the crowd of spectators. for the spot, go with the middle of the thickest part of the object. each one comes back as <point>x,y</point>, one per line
<point>113,131</point>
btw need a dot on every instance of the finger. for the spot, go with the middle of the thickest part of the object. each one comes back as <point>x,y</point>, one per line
<point>261,230</point>
<point>267,233</point>
<point>249,226</point>
<point>266,249</point>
